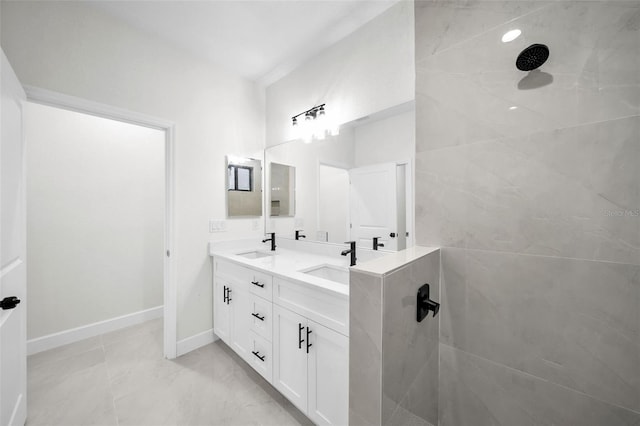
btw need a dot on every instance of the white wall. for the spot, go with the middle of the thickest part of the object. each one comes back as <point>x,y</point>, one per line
<point>95,219</point>
<point>70,47</point>
<point>386,140</point>
<point>370,70</point>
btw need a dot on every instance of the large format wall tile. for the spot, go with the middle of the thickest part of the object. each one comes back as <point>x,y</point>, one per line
<point>477,392</point>
<point>575,323</point>
<point>445,23</point>
<point>591,74</point>
<point>572,192</point>
<point>410,348</point>
<point>530,183</point>
<point>365,353</point>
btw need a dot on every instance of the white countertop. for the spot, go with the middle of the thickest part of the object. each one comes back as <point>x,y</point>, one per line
<point>393,261</point>
<point>285,263</point>
<point>292,257</point>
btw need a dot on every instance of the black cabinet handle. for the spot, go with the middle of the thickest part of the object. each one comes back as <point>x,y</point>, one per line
<point>300,339</point>
<point>257,354</point>
<point>257,283</point>
<point>308,342</point>
<point>224,294</point>
<point>261,318</point>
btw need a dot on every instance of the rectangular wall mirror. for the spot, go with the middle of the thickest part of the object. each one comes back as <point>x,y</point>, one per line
<point>282,196</point>
<point>355,186</point>
<point>244,187</point>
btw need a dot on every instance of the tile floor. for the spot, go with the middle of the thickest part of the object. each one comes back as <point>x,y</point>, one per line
<point>121,378</point>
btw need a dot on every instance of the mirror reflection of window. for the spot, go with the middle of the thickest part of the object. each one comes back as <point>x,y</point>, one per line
<point>240,178</point>
<point>244,187</point>
<point>231,178</point>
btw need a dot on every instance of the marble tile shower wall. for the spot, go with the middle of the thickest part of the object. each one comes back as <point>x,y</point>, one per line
<point>530,183</point>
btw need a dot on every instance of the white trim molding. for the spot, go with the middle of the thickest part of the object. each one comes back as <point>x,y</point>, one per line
<point>73,335</point>
<point>194,342</point>
<point>72,103</point>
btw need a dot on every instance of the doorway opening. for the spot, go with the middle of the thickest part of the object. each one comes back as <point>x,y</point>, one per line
<point>99,194</point>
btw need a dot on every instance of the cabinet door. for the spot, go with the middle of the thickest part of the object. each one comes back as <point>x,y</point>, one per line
<point>240,321</point>
<point>290,356</point>
<point>328,375</point>
<point>221,310</point>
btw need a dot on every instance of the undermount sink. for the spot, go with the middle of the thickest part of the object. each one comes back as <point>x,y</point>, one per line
<point>333,273</point>
<point>254,254</point>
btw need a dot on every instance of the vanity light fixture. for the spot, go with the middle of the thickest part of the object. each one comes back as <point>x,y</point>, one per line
<point>315,125</point>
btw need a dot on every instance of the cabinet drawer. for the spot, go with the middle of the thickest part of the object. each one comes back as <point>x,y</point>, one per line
<point>330,310</point>
<point>260,357</point>
<point>256,282</point>
<point>261,317</point>
<point>232,271</point>
<point>261,285</point>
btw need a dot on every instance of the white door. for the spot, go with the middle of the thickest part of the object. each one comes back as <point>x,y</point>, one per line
<point>333,203</point>
<point>374,205</point>
<point>328,373</point>
<point>13,277</point>
<point>290,356</point>
<point>221,310</point>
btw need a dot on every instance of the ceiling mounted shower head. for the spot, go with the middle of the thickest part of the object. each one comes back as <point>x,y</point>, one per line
<point>532,57</point>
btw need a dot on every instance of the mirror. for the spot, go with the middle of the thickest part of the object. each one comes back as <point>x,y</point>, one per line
<point>244,187</point>
<point>282,181</point>
<point>354,186</point>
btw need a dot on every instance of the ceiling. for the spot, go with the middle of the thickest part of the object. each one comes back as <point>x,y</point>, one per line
<point>261,40</point>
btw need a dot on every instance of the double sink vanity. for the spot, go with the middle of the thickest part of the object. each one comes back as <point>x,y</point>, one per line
<point>284,308</point>
<point>286,313</point>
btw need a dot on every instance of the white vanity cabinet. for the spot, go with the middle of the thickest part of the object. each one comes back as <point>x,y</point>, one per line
<point>241,318</point>
<point>292,333</point>
<point>311,367</point>
<point>231,306</point>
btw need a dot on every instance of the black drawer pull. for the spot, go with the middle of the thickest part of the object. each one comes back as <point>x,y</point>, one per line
<point>257,283</point>
<point>261,318</point>
<point>309,344</point>
<point>257,354</point>
<point>300,339</point>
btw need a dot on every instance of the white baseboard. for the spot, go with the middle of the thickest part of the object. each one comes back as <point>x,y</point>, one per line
<point>194,342</point>
<point>62,338</point>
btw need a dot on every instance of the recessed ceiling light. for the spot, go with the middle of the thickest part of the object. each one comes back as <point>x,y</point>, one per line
<point>511,35</point>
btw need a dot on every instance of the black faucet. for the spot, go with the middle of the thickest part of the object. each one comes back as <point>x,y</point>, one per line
<point>376,244</point>
<point>299,235</point>
<point>352,250</point>
<point>272,239</point>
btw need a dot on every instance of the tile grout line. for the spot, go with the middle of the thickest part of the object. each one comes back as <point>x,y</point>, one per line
<point>569,126</point>
<point>518,253</point>
<point>534,377</point>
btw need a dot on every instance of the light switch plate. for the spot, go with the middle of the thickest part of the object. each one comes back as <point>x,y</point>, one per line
<point>217,226</point>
